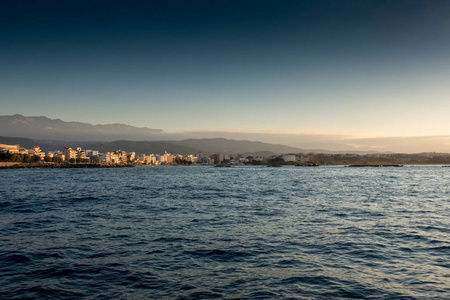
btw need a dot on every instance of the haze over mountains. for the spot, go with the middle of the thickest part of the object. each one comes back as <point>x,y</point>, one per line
<point>57,133</point>
<point>205,146</point>
<point>56,129</point>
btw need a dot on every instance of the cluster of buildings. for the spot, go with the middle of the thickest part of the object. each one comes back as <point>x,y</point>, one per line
<point>17,149</point>
<point>79,155</point>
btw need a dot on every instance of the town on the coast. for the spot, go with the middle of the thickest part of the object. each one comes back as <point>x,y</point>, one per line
<point>15,156</point>
<point>79,156</point>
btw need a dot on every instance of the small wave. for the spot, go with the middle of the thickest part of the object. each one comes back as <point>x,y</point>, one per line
<point>170,239</point>
<point>368,254</point>
<point>52,272</point>
<point>18,258</point>
<point>341,215</point>
<point>22,209</point>
<point>139,188</point>
<point>220,255</point>
<point>357,291</point>
<point>155,251</point>
<point>88,198</point>
<point>316,280</point>
<point>48,293</point>
<point>133,278</point>
<point>4,204</point>
<point>406,249</point>
<point>100,255</point>
<point>64,272</point>
<point>202,295</point>
<point>263,295</point>
<point>435,228</point>
<point>47,255</point>
<point>288,263</point>
<point>443,249</point>
<point>187,287</point>
<point>146,286</point>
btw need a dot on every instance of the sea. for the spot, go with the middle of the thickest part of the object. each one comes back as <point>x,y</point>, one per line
<point>225,233</point>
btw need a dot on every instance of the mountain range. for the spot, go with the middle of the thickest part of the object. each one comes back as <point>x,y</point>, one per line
<point>46,128</point>
<point>205,146</point>
<point>53,134</point>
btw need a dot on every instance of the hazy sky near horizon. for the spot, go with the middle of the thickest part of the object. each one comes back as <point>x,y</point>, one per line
<point>367,68</point>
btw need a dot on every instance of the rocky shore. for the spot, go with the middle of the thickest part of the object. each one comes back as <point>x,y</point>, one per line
<point>60,166</point>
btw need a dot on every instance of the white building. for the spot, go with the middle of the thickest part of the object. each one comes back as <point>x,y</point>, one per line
<point>152,159</point>
<point>69,153</point>
<point>9,148</point>
<point>91,153</point>
<point>289,158</point>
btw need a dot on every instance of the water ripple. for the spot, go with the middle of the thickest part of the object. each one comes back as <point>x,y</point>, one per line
<point>234,233</point>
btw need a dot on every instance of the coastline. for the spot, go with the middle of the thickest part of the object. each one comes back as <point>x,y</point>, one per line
<point>14,165</point>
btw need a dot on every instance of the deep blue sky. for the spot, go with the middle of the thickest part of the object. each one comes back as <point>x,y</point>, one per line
<point>352,67</point>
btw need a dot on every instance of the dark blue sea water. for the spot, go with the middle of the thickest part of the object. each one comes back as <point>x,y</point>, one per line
<point>227,233</point>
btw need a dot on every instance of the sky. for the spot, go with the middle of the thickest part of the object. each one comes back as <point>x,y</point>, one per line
<point>359,68</point>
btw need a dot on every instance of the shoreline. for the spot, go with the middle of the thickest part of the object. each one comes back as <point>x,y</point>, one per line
<point>13,165</point>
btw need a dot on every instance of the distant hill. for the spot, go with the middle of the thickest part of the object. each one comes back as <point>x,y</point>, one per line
<point>226,146</point>
<point>56,129</point>
<point>46,145</point>
<point>147,147</point>
<point>206,146</point>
